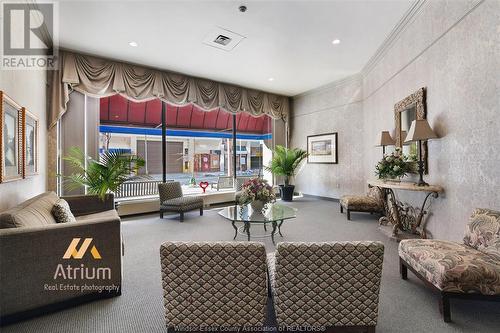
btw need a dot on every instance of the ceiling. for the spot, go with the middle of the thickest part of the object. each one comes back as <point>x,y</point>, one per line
<point>288,41</point>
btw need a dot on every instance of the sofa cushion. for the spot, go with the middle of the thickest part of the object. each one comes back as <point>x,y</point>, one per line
<point>34,212</point>
<point>101,216</point>
<point>452,266</point>
<point>62,213</point>
<point>361,203</point>
<point>483,231</point>
<point>182,204</point>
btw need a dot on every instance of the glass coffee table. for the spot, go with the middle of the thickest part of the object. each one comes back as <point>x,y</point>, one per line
<point>273,214</point>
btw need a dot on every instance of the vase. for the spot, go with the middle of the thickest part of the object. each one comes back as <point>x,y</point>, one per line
<point>393,179</point>
<point>257,205</point>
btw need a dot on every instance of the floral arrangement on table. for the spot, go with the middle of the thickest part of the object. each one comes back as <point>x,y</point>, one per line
<point>257,192</point>
<point>395,165</point>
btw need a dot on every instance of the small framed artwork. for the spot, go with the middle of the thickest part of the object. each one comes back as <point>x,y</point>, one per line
<point>30,144</point>
<point>322,148</point>
<point>11,162</point>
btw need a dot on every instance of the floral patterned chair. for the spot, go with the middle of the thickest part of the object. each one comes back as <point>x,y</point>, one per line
<point>470,270</point>
<point>370,203</point>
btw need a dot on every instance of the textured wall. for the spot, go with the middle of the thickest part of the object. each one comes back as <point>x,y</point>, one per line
<point>28,89</point>
<point>331,109</point>
<point>453,49</point>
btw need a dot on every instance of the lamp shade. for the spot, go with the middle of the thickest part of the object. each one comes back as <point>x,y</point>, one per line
<point>420,130</point>
<point>385,139</point>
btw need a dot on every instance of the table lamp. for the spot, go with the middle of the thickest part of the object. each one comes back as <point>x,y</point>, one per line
<point>420,131</point>
<point>385,139</point>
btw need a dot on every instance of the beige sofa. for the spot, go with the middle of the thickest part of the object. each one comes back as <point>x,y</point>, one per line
<point>32,247</point>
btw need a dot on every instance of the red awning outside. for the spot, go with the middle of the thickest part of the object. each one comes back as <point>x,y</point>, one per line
<point>117,110</point>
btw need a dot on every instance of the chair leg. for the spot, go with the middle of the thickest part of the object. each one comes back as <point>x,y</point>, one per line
<point>444,307</point>
<point>348,214</point>
<point>201,211</point>
<point>403,270</point>
<point>161,214</point>
<point>181,216</point>
<point>341,209</point>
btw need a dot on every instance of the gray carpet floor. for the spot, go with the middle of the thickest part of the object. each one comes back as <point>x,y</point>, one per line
<point>405,306</point>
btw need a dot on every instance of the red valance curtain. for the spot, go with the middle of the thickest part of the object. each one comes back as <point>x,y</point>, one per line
<point>101,77</point>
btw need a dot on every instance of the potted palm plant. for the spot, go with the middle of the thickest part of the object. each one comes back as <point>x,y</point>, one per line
<point>102,176</point>
<point>285,162</point>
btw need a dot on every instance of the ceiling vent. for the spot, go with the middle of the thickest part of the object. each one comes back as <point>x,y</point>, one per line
<point>223,39</point>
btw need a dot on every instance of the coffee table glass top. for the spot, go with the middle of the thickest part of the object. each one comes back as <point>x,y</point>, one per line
<point>272,213</point>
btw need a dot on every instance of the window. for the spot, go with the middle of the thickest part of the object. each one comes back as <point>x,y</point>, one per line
<point>199,144</point>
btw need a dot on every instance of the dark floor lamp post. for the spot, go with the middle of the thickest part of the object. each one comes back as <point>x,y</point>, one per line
<point>385,139</point>
<point>420,131</point>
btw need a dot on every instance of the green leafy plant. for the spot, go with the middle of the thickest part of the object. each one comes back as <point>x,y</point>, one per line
<point>395,165</point>
<point>101,176</point>
<point>285,162</point>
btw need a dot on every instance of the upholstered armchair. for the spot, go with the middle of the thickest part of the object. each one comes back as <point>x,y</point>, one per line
<point>372,202</point>
<point>469,270</point>
<point>172,200</point>
<point>213,284</point>
<point>326,285</point>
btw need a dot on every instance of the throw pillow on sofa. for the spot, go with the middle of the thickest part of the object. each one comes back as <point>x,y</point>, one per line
<point>62,213</point>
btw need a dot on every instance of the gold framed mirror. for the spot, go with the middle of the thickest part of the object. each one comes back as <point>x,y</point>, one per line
<point>412,107</point>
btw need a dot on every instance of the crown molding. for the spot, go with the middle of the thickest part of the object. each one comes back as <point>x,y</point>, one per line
<point>404,22</point>
<point>396,32</point>
<point>338,83</point>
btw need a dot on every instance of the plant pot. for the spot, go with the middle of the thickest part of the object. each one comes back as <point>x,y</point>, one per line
<point>257,205</point>
<point>392,179</point>
<point>286,192</point>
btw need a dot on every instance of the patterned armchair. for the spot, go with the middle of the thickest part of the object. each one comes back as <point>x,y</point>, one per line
<point>326,285</point>
<point>373,202</point>
<point>469,270</point>
<point>213,284</point>
<point>172,200</point>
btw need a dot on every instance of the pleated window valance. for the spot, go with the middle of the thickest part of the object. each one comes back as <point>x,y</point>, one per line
<point>101,77</point>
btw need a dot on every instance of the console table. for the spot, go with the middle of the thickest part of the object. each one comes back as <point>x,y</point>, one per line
<point>405,220</point>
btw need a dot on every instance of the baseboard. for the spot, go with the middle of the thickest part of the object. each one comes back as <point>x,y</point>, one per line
<point>23,315</point>
<point>320,197</point>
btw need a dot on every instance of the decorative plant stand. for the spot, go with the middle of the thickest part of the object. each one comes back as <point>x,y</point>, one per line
<point>402,220</point>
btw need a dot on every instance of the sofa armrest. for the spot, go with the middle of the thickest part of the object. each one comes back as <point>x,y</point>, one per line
<point>31,258</point>
<point>89,204</point>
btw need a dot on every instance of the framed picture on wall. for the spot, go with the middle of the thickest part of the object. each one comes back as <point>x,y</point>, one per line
<point>322,148</point>
<point>30,144</point>
<point>11,162</point>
